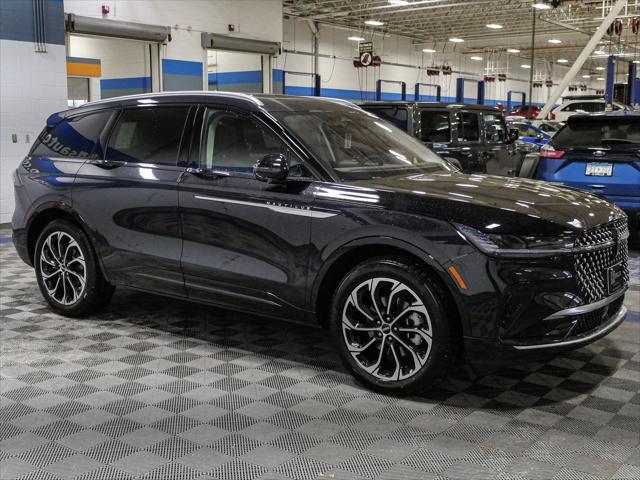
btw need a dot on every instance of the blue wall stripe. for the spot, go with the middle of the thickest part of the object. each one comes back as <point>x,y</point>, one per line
<point>181,67</point>
<point>249,76</point>
<point>120,83</point>
<point>5,240</point>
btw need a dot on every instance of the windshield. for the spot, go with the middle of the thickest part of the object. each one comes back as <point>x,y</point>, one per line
<point>358,145</point>
<point>605,132</point>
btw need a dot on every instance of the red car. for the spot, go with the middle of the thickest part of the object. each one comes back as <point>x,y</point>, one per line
<point>523,111</point>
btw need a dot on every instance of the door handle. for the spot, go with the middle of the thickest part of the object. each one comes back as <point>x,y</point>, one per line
<point>205,173</point>
<point>108,164</point>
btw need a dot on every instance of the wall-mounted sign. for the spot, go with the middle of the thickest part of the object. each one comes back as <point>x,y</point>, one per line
<point>365,47</point>
<point>366,58</point>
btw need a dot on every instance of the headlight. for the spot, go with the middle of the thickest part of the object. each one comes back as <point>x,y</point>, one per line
<point>506,245</point>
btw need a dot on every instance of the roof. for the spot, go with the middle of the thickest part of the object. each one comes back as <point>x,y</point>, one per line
<point>469,106</point>
<point>253,102</point>
<point>605,115</point>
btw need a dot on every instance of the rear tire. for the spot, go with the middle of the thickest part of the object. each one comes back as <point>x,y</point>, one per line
<point>67,271</point>
<point>389,322</point>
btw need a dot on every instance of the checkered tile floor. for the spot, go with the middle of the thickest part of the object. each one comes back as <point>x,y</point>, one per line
<point>162,389</point>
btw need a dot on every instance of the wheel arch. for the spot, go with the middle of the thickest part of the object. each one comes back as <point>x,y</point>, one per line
<point>341,261</point>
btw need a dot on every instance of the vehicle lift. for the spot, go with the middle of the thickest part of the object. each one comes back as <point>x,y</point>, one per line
<point>460,90</point>
<point>316,81</point>
<point>510,94</point>
<point>403,88</point>
<point>633,84</point>
<point>416,94</point>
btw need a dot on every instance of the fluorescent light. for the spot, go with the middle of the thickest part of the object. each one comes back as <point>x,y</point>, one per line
<point>586,76</point>
<point>600,68</point>
<point>600,52</point>
<point>563,60</point>
<point>636,61</point>
<point>398,3</point>
<point>554,41</point>
<point>525,66</point>
<point>541,6</point>
<point>476,59</point>
<point>374,23</point>
<point>456,40</point>
<point>494,26</point>
<point>428,50</point>
<point>513,50</point>
<point>356,39</point>
<point>600,79</point>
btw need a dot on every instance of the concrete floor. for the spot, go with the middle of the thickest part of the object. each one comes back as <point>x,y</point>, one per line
<point>162,389</point>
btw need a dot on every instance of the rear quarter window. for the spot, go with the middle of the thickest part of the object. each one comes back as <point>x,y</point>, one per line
<point>73,137</point>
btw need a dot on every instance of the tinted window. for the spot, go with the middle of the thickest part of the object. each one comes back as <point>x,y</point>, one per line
<point>435,126</point>
<point>616,133</point>
<point>236,142</point>
<point>495,129</point>
<point>148,135</point>
<point>396,115</point>
<point>73,137</point>
<point>525,130</point>
<point>468,127</point>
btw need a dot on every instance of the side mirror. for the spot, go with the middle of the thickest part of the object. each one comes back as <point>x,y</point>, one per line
<point>272,167</point>
<point>514,134</point>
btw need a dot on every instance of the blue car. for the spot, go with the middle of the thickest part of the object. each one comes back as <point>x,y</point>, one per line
<point>598,153</point>
<point>531,134</point>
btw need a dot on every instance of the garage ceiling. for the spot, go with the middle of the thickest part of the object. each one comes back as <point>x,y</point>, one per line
<point>430,23</point>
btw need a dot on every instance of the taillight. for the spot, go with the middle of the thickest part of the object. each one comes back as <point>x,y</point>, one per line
<point>549,152</point>
<point>553,116</point>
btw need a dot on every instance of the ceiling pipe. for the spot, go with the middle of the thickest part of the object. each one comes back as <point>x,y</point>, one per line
<point>582,58</point>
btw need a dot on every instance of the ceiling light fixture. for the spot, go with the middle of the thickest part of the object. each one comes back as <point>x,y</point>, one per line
<point>428,50</point>
<point>398,3</point>
<point>494,26</point>
<point>513,50</point>
<point>586,76</point>
<point>541,6</point>
<point>476,59</point>
<point>456,40</point>
<point>600,52</point>
<point>563,60</point>
<point>356,39</point>
<point>600,68</point>
<point>555,41</point>
<point>374,23</point>
<point>600,79</point>
<point>525,66</point>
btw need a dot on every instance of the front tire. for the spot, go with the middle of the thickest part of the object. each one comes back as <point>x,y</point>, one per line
<point>67,271</point>
<point>389,322</point>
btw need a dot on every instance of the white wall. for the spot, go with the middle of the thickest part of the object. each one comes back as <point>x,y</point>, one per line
<point>338,71</point>
<point>33,86</point>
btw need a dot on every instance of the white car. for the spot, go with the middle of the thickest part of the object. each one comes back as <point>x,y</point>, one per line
<point>574,106</point>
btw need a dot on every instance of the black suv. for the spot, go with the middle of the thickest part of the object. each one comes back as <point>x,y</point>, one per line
<point>312,209</point>
<point>475,136</point>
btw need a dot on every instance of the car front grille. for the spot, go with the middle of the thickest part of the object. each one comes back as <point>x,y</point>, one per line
<point>591,266</point>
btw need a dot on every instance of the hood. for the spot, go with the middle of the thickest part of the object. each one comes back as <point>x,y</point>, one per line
<point>497,204</point>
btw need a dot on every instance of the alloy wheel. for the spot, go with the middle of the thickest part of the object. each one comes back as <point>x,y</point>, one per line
<point>387,329</point>
<point>63,268</point>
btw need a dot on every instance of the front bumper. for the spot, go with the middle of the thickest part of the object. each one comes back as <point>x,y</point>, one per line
<point>606,315</point>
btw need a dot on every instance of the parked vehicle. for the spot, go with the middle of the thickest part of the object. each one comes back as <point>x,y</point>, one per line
<point>312,209</point>
<point>530,133</point>
<point>548,126</point>
<point>598,153</point>
<point>475,136</point>
<point>525,111</point>
<point>576,105</point>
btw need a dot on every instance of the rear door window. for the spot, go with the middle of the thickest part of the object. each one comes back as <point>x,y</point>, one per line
<point>435,126</point>
<point>73,137</point>
<point>394,114</point>
<point>148,135</point>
